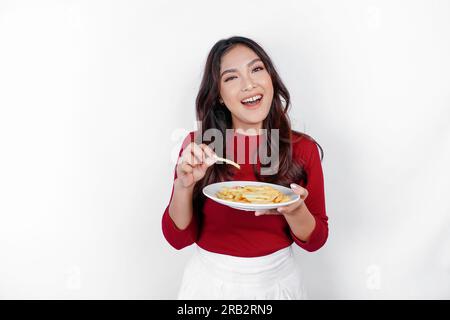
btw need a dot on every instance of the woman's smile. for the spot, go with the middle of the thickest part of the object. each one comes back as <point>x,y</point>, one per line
<point>245,87</point>
<point>253,101</point>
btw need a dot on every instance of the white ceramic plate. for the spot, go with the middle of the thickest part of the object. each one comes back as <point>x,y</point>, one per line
<point>211,190</point>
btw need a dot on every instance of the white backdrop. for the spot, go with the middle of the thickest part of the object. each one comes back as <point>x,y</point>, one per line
<point>94,96</point>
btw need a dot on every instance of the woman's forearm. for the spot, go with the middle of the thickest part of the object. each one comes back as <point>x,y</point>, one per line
<point>301,222</point>
<point>180,208</point>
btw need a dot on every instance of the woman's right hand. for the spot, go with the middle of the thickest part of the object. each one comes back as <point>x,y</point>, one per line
<point>193,163</point>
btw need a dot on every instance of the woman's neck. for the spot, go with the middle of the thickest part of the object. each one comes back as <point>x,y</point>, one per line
<point>249,131</point>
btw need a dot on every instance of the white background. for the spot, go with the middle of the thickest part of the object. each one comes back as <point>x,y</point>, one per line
<point>96,95</point>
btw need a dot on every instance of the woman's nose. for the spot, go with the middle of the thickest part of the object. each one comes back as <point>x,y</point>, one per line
<point>248,85</point>
<point>247,82</point>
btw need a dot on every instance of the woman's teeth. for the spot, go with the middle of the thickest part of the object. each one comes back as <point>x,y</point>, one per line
<point>253,100</point>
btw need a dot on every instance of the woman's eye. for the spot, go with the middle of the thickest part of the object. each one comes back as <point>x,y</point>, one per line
<point>230,78</point>
<point>254,70</point>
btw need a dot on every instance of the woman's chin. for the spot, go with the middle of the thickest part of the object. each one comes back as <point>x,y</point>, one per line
<point>256,115</point>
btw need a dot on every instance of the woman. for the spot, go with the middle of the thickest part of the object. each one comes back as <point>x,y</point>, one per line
<point>244,254</point>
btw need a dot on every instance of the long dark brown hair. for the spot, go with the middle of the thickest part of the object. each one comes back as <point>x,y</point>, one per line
<point>212,114</point>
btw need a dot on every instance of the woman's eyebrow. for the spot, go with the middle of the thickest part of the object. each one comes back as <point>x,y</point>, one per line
<point>234,70</point>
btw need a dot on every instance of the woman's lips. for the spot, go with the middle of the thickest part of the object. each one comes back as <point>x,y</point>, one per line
<point>253,106</point>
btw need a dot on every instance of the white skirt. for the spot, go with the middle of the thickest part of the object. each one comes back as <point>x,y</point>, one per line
<point>210,275</point>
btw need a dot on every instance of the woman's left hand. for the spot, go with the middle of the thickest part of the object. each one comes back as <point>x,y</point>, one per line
<point>290,209</point>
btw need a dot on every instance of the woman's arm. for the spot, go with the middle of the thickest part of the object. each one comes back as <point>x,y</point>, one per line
<point>179,222</point>
<point>301,222</point>
<point>181,208</point>
<point>309,226</point>
<point>307,218</point>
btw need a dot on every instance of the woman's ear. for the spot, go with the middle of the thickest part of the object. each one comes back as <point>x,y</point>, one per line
<point>220,100</point>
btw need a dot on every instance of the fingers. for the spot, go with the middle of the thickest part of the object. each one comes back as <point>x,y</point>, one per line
<point>290,208</point>
<point>302,192</point>
<point>266,212</point>
<point>192,155</point>
<point>281,210</point>
<point>186,168</point>
<point>196,155</point>
<point>210,158</point>
<point>186,161</point>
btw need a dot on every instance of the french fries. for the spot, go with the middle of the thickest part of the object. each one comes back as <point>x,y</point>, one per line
<point>252,194</point>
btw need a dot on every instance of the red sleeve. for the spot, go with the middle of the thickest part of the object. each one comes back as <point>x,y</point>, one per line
<point>315,202</point>
<point>178,238</point>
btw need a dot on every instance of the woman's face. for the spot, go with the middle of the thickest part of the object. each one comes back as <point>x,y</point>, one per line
<point>243,76</point>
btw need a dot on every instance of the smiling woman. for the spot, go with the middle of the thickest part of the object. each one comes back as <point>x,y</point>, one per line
<point>249,85</point>
<point>245,254</point>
